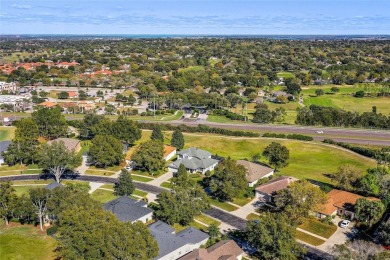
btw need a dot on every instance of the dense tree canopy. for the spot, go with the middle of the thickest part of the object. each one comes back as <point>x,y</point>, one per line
<point>149,156</point>
<point>105,150</point>
<point>177,139</point>
<point>228,180</point>
<point>51,123</point>
<point>299,199</point>
<point>277,155</point>
<point>274,237</point>
<point>56,158</point>
<point>125,185</point>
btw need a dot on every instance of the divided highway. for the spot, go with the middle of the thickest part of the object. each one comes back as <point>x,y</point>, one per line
<point>348,135</point>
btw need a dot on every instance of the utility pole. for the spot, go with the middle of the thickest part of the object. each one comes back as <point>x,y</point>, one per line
<point>154,106</point>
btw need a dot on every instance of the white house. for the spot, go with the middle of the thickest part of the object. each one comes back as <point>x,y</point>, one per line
<point>195,160</point>
<point>169,152</point>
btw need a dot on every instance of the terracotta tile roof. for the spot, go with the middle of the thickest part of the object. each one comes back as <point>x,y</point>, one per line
<point>72,93</point>
<point>168,149</point>
<point>276,185</point>
<point>341,199</point>
<point>254,171</point>
<point>225,249</point>
<point>47,104</point>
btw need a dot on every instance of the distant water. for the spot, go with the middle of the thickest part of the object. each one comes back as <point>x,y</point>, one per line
<point>160,36</point>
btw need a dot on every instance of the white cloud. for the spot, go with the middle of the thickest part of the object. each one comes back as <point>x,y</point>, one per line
<point>21,6</point>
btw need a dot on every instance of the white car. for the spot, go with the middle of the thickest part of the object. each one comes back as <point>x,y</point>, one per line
<point>345,223</point>
<point>319,132</point>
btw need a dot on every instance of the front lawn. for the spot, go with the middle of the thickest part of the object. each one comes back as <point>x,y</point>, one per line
<point>25,242</point>
<point>20,190</point>
<point>7,133</point>
<point>99,172</point>
<point>308,238</point>
<point>207,220</point>
<point>194,224</point>
<point>253,216</point>
<point>103,196</point>
<point>316,227</point>
<point>140,178</point>
<point>223,205</point>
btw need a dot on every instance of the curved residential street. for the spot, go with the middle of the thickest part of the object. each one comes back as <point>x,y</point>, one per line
<point>217,213</point>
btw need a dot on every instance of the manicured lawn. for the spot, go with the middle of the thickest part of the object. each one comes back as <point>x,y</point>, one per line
<point>140,178</point>
<point>112,168</point>
<point>191,68</point>
<point>308,238</point>
<point>194,224</point>
<point>7,133</point>
<point>307,160</point>
<point>178,115</point>
<point>140,193</point>
<point>242,201</point>
<point>316,227</point>
<point>108,186</point>
<point>253,216</point>
<point>103,196</point>
<point>20,190</point>
<point>222,119</point>
<point>344,99</point>
<point>207,220</point>
<point>25,242</point>
<point>223,205</point>
<point>6,170</point>
<point>27,182</point>
<point>99,172</point>
<point>146,174</point>
<point>166,185</point>
<point>285,74</point>
<point>84,147</point>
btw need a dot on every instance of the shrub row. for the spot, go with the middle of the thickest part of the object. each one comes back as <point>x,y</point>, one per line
<point>198,129</point>
<point>290,136</point>
<point>228,114</point>
<point>357,149</point>
<point>158,112</point>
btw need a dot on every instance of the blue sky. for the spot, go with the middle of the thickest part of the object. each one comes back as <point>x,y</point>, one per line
<point>195,17</point>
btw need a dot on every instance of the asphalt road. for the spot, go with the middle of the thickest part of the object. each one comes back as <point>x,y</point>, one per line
<point>214,212</point>
<point>349,135</point>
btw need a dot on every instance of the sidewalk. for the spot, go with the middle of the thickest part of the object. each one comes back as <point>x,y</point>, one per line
<point>247,209</point>
<point>163,178</point>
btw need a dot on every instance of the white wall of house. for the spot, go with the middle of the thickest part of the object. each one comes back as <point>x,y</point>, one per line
<point>211,168</point>
<point>145,218</point>
<point>263,196</point>
<point>251,184</point>
<point>170,156</point>
<point>183,250</point>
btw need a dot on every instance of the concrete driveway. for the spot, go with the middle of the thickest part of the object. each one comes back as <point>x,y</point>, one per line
<point>341,236</point>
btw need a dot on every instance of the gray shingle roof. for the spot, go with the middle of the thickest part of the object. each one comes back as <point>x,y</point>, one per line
<point>168,241</point>
<point>3,147</point>
<point>194,163</point>
<point>127,209</point>
<point>195,152</point>
<point>53,185</point>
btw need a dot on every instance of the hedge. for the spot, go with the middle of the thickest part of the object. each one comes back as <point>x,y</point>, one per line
<point>198,129</point>
<point>357,149</point>
<point>290,136</point>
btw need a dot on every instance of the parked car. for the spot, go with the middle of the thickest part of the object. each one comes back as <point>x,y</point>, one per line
<point>319,132</point>
<point>345,223</point>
